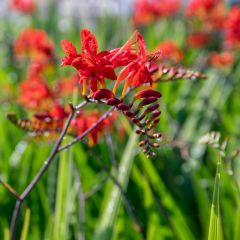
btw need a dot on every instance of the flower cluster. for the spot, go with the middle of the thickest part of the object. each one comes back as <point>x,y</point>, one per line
<point>146,11</point>
<point>34,45</point>
<point>135,68</point>
<point>124,69</point>
<point>24,6</point>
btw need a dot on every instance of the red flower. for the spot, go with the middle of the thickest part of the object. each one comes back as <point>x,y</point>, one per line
<point>146,11</point>
<point>169,51</point>
<point>198,39</point>
<point>196,7</point>
<point>33,44</point>
<point>92,66</point>
<point>136,72</point>
<point>225,58</point>
<point>232,26</point>
<point>65,87</point>
<point>211,12</point>
<point>25,6</point>
<point>85,120</point>
<point>34,92</point>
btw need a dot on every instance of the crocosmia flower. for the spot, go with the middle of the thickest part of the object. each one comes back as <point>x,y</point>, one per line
<point>169,51</point>
<point>232,27</point>
<point>24,6</point>
<point>198,39</point>
<point>85,120</point>
<point>222,59</point>
<point>146,11</point>
<point>210,12</point>
<point>35,93</point>
<point>93,67</point>
<point>34,45</point>
<point>136,72</point>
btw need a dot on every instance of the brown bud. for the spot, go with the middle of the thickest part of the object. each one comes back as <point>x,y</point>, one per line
<point>157,135</point>
<point>143,143</point>
<point>155,145</point>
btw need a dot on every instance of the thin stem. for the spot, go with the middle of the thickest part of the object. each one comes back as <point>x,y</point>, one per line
<point>36,179</point>
<point>80,137</point>
<point>15,217</point>
<point>110,147</point>
<point>10,189</point>
<point>95,188</point>
<point>50,158</point>
<point>128,205</point>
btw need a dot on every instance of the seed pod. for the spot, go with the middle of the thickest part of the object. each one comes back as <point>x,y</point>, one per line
<point>113,101</point>
<point>103,94</point>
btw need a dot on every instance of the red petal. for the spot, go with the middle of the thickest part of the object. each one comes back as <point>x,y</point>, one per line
<point>68,48</point>
<point>107,72</point>
<point>142,46</point>
<point>89,42</point>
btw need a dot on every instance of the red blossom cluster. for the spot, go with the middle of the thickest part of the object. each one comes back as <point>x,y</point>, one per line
<point>34,45</point>
<point>94,68</point>
<point>128,67</point>
<point>86,119</point>
<point>170,51</point>
<point>24,6</point>
<point>146,11</point>
<point>232,27</point>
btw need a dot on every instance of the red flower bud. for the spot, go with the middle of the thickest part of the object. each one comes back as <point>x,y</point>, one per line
<point>156,113</point>
<point>123,106</point>
<point>103,94</point>
<point>129,114</point>
<point>147,101</point>
<point>147,93</point>
<point>113,101</point>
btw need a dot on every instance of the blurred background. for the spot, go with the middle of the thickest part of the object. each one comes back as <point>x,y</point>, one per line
<point>83,195</point>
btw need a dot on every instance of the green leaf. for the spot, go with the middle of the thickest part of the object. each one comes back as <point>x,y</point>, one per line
<point>214,232</point>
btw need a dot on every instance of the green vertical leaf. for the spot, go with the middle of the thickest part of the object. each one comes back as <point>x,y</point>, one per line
<point>214,232</point>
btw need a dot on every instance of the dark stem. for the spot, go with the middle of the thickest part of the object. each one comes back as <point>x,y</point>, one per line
<point>36,179</point>
<point>15,217</point>
<point>129,207</point>
<point>56,149</point>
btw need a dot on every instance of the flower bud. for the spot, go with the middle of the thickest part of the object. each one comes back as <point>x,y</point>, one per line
<point>103,94</point>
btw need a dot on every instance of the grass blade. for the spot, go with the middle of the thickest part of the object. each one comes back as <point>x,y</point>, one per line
<point>25,229</point>
<point>214,232</point>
